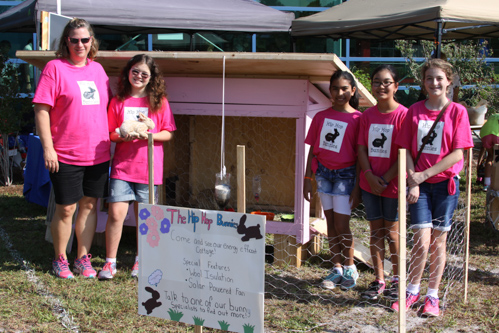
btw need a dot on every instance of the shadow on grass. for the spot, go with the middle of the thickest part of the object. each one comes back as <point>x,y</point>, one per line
<point>24,225</point>
<point>16,207</point>
<point>286,286</point>
<point>483,277</point>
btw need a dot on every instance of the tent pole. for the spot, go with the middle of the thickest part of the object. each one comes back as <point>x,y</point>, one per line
<point>439,40</point>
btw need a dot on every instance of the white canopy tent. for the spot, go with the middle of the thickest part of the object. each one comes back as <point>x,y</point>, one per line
<point>403,19</point>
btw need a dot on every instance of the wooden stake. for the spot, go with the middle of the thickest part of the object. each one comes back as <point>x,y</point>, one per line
<point>150,159</point>
<point>402,238</point>
<point>241,179</point>
<point>44,17</point>
<point>467,223</point>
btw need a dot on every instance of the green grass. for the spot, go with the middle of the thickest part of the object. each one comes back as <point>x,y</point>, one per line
<point>31,296</point>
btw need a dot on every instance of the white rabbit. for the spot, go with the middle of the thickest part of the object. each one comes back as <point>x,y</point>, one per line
<point>136,128</point>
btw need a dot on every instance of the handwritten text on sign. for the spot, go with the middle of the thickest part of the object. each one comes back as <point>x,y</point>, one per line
<point>202,267</point>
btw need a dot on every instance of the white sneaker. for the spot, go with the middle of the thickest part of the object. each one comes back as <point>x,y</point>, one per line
<point>108,271</point>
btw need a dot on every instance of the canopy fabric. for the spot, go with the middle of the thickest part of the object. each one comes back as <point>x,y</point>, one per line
<point>403,19</point>
<point>154,16</point>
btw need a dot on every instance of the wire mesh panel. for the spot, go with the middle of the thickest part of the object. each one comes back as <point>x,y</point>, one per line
<point>194,159</point>
<point>288,288</point>
<point>295,300</point>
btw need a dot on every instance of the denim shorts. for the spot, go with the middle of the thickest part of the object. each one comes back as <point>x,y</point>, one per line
<point>123,191</point>
<point>378,207</point>
<point>335,182</point>
<point>435,206</point>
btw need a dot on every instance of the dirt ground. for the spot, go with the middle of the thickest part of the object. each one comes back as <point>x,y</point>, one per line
<point>16,189</point>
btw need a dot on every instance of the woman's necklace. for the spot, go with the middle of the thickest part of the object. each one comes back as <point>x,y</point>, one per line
<point>84,63</point>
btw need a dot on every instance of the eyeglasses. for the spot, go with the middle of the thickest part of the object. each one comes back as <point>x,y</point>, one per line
<point>384,83</point>
<point>144,75</point>
<point>77,40</point>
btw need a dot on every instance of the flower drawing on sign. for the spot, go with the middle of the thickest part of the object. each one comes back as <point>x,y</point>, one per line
<point>157,213</point>
<point>165,226</point>
<point>151,223</point>
<point>144,213</point>
<point>153,238</point>
<point>143,229</point>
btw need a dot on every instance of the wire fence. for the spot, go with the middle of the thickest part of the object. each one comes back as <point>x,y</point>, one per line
<point>294,298</point>
<point>303,285</point>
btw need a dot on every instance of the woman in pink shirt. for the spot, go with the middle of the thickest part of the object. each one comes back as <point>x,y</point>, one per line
<point>71,119</point>
<point>432,179</point>
<point>141,89</point>
<point>333,159</point>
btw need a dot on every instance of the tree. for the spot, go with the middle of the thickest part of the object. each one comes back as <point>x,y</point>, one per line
<point>469,61</point>
<point>13,108</point>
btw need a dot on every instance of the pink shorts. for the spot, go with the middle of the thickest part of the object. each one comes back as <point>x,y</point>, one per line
<point>489,141</point>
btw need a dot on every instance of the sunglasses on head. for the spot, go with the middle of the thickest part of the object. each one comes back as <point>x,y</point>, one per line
<point>77,40</point>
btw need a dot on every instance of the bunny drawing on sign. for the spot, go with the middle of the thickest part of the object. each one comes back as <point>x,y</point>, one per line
<point>152,302</point>
<point>248,232</point>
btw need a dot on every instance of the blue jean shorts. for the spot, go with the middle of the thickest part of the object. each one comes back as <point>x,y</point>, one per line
<point>435,206</point>
<point>335,182</point>
<point>378,207</point>
<point>123,191</point>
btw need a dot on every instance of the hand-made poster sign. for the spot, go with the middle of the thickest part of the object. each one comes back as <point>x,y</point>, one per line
<point>202,267</point>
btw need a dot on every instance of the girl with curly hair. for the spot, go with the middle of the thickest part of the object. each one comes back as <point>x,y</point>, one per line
<point>141,89</point>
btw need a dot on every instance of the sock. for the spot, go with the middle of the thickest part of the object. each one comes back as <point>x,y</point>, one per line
<point>111,260</point>
<point>432,292</point>
<point>352,267</point>
<point>395,279</point>
<point>338,269</point>
<point>136,258</point>
<point>413,288</point>
<point>486,181</point>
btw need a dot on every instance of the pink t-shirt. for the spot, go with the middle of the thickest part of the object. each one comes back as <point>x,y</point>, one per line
<point>78,97</point>
<point>377,132</point>
<point>333,135</point>
<point>489,141</point>
<point>130,161</point>
<point>452,132</point>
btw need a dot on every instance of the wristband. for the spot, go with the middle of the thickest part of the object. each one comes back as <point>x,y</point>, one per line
<point>368,170</point>
<point>383,179</point>
<point>308,178</point>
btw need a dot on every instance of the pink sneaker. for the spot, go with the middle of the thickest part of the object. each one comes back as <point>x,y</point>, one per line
<point>135,269</point>
<point>61,268</point>
<point>431,308</point>
<point>84,267</point>
<point>410,299</point>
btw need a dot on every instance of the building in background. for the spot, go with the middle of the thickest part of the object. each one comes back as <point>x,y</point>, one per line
<point>356,54</point>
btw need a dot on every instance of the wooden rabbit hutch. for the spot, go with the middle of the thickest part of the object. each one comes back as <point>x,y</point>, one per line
<point>270,100</point>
